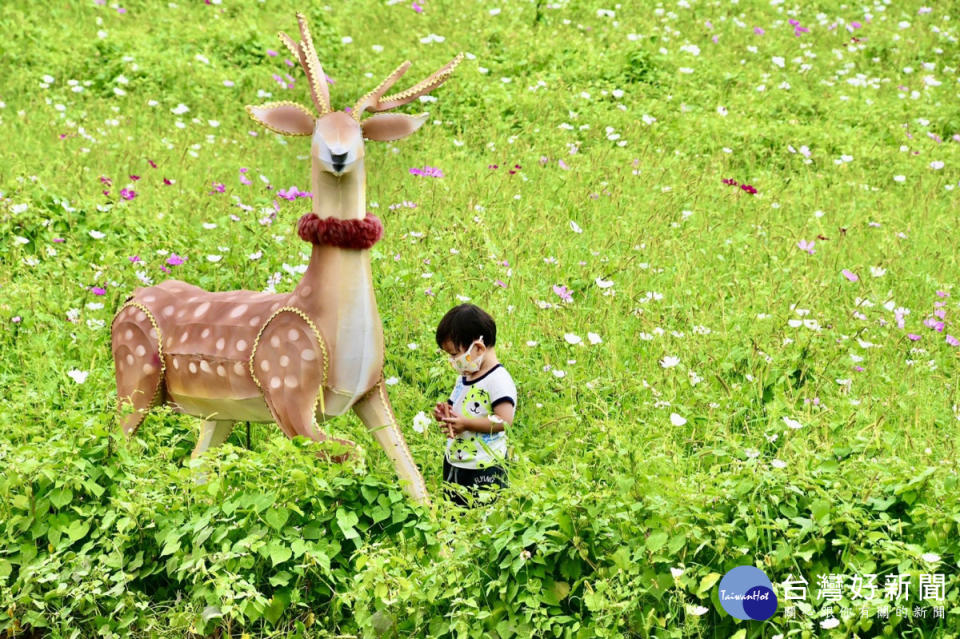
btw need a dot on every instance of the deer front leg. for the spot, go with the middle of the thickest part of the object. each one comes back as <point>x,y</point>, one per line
<point>289,364</point>
<point>377,415</point>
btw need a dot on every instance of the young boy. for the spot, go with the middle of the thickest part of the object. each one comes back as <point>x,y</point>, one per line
<point>481,405</point>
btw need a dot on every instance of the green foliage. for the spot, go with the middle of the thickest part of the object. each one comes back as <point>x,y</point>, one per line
<point>800,430</point>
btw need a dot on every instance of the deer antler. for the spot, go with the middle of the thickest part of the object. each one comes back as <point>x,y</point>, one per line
<point>307,55</point>
<point>374,102</point>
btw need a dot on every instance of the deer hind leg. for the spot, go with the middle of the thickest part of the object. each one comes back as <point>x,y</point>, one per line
<point>212,434</point>
<point>375,411</point>
<point>138,362</point>
<point>289,364</point>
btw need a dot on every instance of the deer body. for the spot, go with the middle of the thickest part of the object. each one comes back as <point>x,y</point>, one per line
<point>290,358</point>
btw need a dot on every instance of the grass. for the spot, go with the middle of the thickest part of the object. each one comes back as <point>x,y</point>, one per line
<point>618,134</point>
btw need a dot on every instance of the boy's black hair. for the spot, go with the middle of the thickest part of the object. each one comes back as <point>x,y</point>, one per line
<point>465,323</point>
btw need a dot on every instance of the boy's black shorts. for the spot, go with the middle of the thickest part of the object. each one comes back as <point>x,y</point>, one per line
<point>473,479</point>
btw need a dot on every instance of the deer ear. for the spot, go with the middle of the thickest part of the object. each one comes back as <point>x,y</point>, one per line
<point>391,126</point>
<point>285,118</point>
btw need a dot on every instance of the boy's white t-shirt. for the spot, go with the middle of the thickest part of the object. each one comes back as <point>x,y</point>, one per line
<point>478,398</point>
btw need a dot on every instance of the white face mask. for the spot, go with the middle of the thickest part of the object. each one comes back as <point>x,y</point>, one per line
<point>467,363</point>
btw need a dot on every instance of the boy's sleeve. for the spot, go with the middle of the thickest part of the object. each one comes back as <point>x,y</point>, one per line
<point>502,389</point>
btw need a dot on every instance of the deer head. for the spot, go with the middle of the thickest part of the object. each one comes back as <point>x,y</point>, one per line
<point>337,145</point>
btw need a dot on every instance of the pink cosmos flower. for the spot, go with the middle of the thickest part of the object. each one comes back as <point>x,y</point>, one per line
<point>105,180</point>
<point>176,260</point>
<point>500,284</point>
<point>416,7</point>
<point>913,337</point>
<point>563,165</point>
<point>271,53</point>
<point>803,245</point>
<point>952,341</point>
<point>152,163</point>
<point>943,294</point>
<point>128,194</point>
<point>167,182</point>
<point>758,31</point>
<point>563,292</point>
<point>749,189</point>
<point>850,275</point>
<point>218,187</point>
<point>134,258</point>
<point>58,240</point>
<point>164,269</point>
<point>134,177</point>
<point>96,290</point>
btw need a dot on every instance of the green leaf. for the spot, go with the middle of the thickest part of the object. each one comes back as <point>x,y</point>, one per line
<point>277,517</point>
<point>279,553</point>
<point>707,582</point>
<point>211,612</point>
<point>656,541</point>
<point>61,497</point>
<point>77,530</point>
<point>275,608</point>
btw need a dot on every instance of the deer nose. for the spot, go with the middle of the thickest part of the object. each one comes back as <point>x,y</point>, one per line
<point>338,160</point>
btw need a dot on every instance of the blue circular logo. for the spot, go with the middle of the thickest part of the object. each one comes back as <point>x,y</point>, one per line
<point>746,593</point>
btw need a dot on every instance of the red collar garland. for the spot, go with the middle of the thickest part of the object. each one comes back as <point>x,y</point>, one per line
<point>352,234</point>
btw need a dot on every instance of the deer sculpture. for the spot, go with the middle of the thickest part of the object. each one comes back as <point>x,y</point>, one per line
<point>288,358</point>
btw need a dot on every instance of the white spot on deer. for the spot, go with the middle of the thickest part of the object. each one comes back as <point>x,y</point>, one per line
<point>153,333</point>
<point>181,313</point>
<point>205,333</point>
<point>193,367</point>
<point>168,311</point>
<point>148,369</point>
<point>309,355</point>
<point>238,368</point>
<point>305,292</point>
<point>255,320</point>
<point>293,335</point>
<point>176,363</point>
<point>128,334</point>
<point>221,371</point>
<point>141,316</point>
<point>203,308</point>
<point>221,343</point>
<point>239,310</point>
<point>275,341</point>
<point>183,338</point>
<point>284,361</point>
<point>149,298</point>
<point>290,381</point>
<point>275,382</point>
<point>275,306</point>
<point>140,350</point>
<point>129,359</point>
<point>205,367</point>
<point>265,366</point>
<point>241,345</point>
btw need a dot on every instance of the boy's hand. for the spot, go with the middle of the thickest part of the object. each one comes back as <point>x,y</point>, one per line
<point>456,423</point>
<point>441,410</point>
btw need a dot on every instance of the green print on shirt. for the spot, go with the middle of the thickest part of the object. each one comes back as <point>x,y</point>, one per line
<point>476,403</point>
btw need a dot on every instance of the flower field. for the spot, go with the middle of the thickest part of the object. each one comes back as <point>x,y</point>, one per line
<point>720,243</point>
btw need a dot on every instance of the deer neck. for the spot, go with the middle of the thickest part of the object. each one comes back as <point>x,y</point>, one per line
<point>343,197</point>
<point>336,277</point>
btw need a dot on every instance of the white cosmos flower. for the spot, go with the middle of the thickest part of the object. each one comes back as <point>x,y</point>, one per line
<point>602,283</point>
<point>572,338</point>
<point>97,235</point>
<point>558,373</point>
<point>78,376</point>
<point>931,557</point>
<point>421,422</point>
<point>594,338</point>
<point>576,228</point>
<point>412,346</point>
<point>531,343</point>
<point>676,572</point>
<point>214,258</point>
<point>778,463</point>
<point>792,423</point>
<point>832,622</point>
<point>697,610</point>
<point>669,361</point>
<point>391,381</point>
<point>677,420</point>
